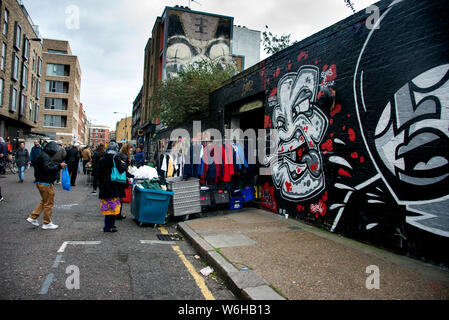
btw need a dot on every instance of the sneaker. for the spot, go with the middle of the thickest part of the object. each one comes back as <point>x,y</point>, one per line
<point>94,192</point>
<point>110,230</point>
<point>57,182</point>
<point>49,226</point>
<point>1,199</point>
<point>33,222</point>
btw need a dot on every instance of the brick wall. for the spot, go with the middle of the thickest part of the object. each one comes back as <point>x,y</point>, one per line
<point>373,162</point>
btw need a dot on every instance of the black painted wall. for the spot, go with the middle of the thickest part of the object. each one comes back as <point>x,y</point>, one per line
<point>372,163</point>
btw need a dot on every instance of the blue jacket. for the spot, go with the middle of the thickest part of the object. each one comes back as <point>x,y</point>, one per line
<point>139,158</point>
<point>34,153</point>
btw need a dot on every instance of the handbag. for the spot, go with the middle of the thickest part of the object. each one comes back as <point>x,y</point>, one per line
<point>117,176</point>
<point>65,179</point>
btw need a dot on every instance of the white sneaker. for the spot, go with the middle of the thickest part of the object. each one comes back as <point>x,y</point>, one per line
<point>33,222</point>
<point>49,226</point>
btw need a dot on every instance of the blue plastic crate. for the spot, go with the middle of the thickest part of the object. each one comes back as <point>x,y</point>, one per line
<point>235,203</point>
<point>247,194</point>
<point>150,206</point>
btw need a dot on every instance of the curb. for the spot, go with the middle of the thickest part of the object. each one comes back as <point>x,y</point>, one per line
<point>246,285</point>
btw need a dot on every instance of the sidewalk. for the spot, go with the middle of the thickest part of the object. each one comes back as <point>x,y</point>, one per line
<point>288,259</point>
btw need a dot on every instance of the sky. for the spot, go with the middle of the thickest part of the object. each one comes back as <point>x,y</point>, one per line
<point>109,37</point>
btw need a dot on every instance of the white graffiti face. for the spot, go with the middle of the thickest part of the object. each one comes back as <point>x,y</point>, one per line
<point>297,167</point>
<point>412,133</point>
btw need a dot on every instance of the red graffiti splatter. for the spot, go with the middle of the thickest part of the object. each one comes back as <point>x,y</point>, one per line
<point>314,166</point>
<point>302,55</point>
<point>282,150</point>
<point>302,139</point>
<point>300,152</point>
<point>316,61</point>
<point>288,186</point>
<point>324,198</point>
<point>289,65</point>
<point>273,92</point>
<point>320,94</point>
<point>298,170</point>
<point>311,144</point>
<point>328,145</point>
<point>325,67</point>
<point>267,122</point>
<point>362,159</point>
<point>343,128</point>
<point>291,147</point>
<point>306,128</point>
<point>351,133</point>
<point>336,110</point>
<point>277,73</point>
<point>331,121</point>
<point>354,155</point>
<point>344,173</point>
<point>349,116</point>
<point>319,208</point>
<point>300,208</point>
<point>331,74</point>
<point>268,200</point>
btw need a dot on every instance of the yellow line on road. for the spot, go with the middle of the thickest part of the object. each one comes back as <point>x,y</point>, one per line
<point>198,279</point>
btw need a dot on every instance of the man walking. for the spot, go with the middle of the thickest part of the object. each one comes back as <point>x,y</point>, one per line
<point>72,160</point>
<point>35,150</point>
<point>22,160</point>
<point>87,157</point>
<point>45,171</point>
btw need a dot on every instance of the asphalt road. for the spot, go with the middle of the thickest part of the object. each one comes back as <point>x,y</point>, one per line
<point>132,264</point>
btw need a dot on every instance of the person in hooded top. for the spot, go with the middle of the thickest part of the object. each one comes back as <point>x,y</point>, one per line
<point>45,172</point>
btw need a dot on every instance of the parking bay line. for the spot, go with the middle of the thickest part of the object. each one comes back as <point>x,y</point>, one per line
<point>64,245</point>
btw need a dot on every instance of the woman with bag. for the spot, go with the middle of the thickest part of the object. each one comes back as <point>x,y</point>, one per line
<point>125,155</point>
<point>111,191</point>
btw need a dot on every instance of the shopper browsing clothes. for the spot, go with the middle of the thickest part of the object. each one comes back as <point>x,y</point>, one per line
<point>45,171</point>
<point>22,160</point>
<point>125,155</point>
<point>110,191</point>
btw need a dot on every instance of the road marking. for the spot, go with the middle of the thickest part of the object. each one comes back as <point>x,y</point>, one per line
<point>156,242</point>
<point>198,279</point>
<point>64,245</point>
<point>57,261</point>
<point>47,283</point>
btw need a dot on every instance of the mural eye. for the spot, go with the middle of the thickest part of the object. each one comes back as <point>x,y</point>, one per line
<point>280,123</point>
<point>218,50</point>
<point>301,104</point>
<point>179,51</point>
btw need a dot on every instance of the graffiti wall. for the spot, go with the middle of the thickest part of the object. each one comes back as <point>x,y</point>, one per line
<point>361,145</point>
<point>193,37</point>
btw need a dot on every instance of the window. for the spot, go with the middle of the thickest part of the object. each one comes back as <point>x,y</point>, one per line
<point>17,35</point>
<point>2,84</point>
<point>23,103</point>
<point>24,76</point>
<point>13,99</point>
<point>5,23</point>
<point>55,121</point>
<point>39,66</point>
<point>58,70</point>
<point>38,90</point>
<point>56,86</point>
<point>3,56</point>
<point>30,114</point>
<point>55,104</point>
<point>36,113</point>
<point>26,49</point>
<point>15,67</point>
<point>57,51</point>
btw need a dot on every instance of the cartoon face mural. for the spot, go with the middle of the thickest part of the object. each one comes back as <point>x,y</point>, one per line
<point>406,128</point>
<point>296,165</point>
<point>193,38</point>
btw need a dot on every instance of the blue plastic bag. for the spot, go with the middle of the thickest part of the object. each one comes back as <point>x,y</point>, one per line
<point>65,180</point>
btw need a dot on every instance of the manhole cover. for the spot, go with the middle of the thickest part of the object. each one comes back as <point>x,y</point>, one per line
<point>294,228</point>
<point>169,237</point>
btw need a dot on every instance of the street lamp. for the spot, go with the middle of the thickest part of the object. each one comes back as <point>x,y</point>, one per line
<point>126,132</point>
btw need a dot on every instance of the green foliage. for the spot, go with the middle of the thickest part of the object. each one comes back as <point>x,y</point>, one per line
<point>273,43</point>
<point>187,94</point>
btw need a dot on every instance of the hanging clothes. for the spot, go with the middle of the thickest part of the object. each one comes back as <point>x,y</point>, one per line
<point>227,163</point>
<point>239,156</point>
<point>170,167</point>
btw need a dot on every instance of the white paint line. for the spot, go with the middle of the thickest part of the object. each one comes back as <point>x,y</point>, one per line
<point>64,245</point>
<point>47,283</point>
<point>57,261</point>
<point>157,242</point>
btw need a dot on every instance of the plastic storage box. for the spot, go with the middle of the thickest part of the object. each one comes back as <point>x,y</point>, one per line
<point>235,203</point>
<point>205,197</point>
<point>150,206</point>
<point>220,196</point>
<point>186,198</point>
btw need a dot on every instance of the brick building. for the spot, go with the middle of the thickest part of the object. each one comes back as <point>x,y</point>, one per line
<point>98,134</point>
<point>60,116</point>
<point>20,71</point>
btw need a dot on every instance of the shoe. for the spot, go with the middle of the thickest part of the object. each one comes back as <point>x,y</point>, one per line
<point>94,192</point>
<point>21,181</point>
<point>58,182</point>
<point>1,199</point>
<point>120,217</point>
<point>49,226</point>
<point>110,230</point>
<point>33,221</point>
<point>73,185</point>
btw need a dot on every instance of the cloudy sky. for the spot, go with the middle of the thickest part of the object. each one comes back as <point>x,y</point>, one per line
<point>112,35</point>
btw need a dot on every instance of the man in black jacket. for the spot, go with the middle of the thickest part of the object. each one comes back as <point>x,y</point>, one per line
<point>73,160</point>
<point>45,172</point>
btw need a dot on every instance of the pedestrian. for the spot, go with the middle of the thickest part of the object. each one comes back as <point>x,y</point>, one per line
<point>22,160</point>
<point>35,150</point>
<point>86,155</point>
<point>96,158</point>
<point>125,155</point>
<point>72,160</point>
<point>59,157</point>
<point>139,158</point>
<point>3,154</point>
<point>45,171</point>
<point>9,145</point>
<point>110,191</point>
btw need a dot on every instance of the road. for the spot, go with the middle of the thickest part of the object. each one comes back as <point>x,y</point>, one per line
<point>132,264</point>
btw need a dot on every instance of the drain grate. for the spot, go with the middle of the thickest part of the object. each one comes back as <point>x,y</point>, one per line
<point>294,228</point>
<point>169,237</point>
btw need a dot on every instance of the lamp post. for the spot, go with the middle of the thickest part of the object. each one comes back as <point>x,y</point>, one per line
<point>126,132</point>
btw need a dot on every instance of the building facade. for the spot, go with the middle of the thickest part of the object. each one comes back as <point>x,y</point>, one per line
<point>123,129</point>
<point>137,116</point>
<point>83,126</point>
<point>21,72</point>
<point>60,116</point>
<point>98,134</point>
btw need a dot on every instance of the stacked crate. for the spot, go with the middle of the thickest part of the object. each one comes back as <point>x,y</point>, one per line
<point>186,198</point>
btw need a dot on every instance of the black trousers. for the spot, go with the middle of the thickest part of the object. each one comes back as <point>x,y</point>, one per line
<point>95,182</point>
<point>84,165</point>
<point>109,222</point>
<point>73,171</point>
